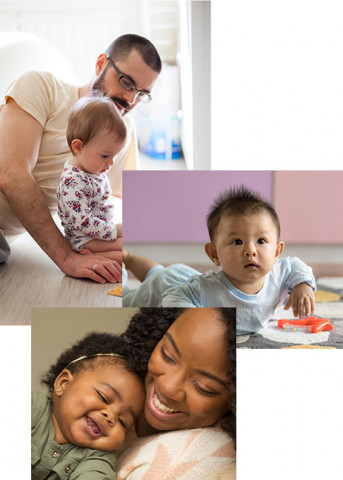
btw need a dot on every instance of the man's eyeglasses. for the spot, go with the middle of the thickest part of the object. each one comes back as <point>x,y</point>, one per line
<point>128,85</point>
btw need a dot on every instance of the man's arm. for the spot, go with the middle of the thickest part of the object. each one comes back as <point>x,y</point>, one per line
<point>20,137</point>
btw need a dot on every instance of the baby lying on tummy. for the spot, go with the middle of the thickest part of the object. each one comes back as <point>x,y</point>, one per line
<point>245,242</point>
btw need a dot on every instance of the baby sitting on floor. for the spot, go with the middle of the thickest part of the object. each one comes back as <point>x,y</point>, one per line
<point>96,133</point>
<point>244,233</point>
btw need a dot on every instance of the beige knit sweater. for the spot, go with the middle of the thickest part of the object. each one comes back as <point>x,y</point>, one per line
<point>182,455</point>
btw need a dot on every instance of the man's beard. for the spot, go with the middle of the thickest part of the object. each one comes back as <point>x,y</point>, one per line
<point>98,89</point>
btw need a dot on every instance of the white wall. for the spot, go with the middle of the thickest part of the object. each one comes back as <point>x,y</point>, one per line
<point>195,68</point>
<point>82,30</point>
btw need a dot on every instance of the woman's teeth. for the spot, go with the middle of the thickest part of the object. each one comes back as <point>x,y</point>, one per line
<point>161,407</point>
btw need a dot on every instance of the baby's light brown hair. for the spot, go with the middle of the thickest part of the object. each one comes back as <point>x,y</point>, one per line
<point>90,115</point>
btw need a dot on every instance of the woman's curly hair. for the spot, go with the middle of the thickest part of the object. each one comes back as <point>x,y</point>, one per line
<point>92,344</point>
<point>148,326</point>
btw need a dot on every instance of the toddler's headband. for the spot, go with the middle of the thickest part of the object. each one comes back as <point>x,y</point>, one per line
<point>95,355</point>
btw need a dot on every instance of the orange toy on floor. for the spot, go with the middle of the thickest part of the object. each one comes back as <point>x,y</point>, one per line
<point>308,324</point>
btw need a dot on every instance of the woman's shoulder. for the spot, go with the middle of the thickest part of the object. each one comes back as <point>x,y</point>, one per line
<point>191,454</point>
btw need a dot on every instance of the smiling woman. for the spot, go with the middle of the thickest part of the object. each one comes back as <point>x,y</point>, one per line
<point>189,356</point>
<point>187,386</point>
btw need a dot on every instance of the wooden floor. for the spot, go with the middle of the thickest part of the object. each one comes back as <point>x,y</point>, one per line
<point>30,279</point>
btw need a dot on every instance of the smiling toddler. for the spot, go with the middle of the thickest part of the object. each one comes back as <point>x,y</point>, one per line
<point>96,133</point>
<point>95,397</point>
<point>244,233</point>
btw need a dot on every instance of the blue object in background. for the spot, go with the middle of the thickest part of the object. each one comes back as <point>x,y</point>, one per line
<point>163,142</point>
<point>157,123</point>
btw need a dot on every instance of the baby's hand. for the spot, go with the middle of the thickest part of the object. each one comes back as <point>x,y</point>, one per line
<point>86,251</point>
<point>301,298</point>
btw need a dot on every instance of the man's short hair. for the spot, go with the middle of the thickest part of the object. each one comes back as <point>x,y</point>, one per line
<point>90,115</point>
<point>122,46</point>
<point>235,202</point>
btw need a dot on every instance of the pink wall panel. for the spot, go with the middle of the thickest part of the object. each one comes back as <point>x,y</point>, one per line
<point>310,206</point>
<point>171,206</point>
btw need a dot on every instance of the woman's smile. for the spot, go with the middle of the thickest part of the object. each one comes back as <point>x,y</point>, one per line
<point>161,406</point>
<point>159,409</point>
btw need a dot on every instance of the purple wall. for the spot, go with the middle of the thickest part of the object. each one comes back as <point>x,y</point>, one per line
<point>171,206</point>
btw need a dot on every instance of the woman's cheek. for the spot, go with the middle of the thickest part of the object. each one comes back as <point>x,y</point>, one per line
<point>200,405</point>
<point>203,406</point>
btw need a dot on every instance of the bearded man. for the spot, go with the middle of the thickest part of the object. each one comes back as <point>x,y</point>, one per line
<point>33,147</point>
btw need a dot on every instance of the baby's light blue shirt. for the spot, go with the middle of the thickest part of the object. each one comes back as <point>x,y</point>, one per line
<point>181,286</point>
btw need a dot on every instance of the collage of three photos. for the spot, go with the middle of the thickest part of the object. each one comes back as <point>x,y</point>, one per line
<point>160,288</point>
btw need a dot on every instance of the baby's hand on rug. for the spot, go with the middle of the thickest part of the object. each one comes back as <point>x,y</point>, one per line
<point>301,299</point>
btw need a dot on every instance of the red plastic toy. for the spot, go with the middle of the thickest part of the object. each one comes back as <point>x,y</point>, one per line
<point>308,324</point>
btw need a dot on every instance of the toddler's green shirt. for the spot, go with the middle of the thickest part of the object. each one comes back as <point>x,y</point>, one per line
<point>51,461</point>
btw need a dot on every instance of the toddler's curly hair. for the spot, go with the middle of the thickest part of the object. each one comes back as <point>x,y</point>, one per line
<point>92,344</point>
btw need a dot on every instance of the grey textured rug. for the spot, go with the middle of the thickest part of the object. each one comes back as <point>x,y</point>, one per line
<point>274,337</point>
